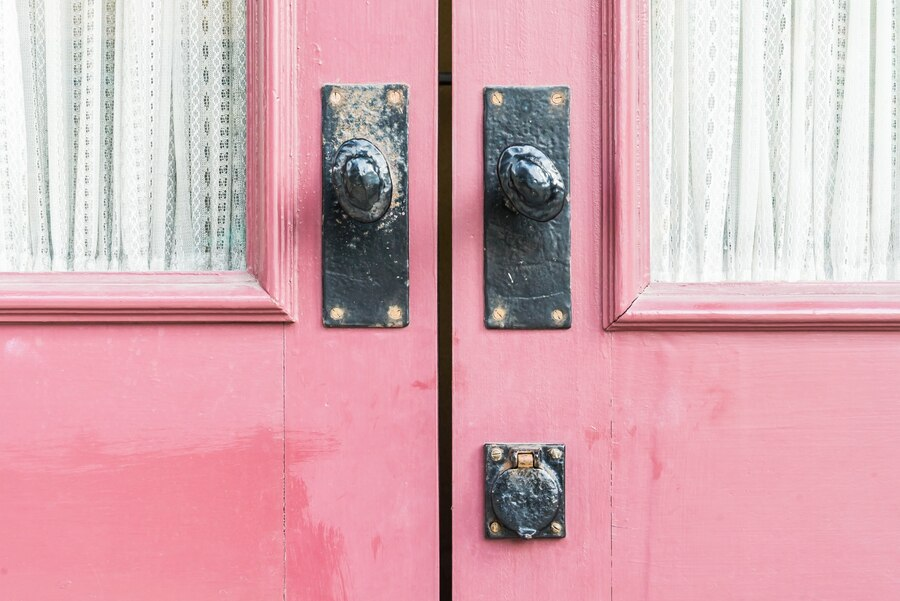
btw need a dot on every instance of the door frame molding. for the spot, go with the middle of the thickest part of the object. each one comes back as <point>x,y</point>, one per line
<point>262,293</point>
<point>630,300</point>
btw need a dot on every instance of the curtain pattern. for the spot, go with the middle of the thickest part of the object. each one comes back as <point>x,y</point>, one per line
<point>122,135</point>
<point>774,140</point>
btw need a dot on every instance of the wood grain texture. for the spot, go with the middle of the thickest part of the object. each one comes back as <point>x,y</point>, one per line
<point>361,404</point>
<point>755,466</point>
<point>745,464</point>
<point>529,386</point>
<point>141,462</point>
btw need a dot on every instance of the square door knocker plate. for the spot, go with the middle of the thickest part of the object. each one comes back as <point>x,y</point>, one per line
<point>524,490</point>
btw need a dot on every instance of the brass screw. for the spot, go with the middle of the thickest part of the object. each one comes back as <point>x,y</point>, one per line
<point>394,313</point>
<point>495,527</point>
<point>336,313</point>
<point>498,314</point>
<point>556,527</point>
<point>336,97</point>
<point>556,453</point>
<point>394,97</point>
<point>557,98</point>
<point>558,315</point>
<point>496,98</point>
<point>496,453</point>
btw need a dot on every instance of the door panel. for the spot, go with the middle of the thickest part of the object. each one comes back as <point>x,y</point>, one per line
<point>529,386</point>
<point>141,462</point>
<point>755,466</point>
<point>245,461</point>
<point>361,404</point>
<point>711,464</point>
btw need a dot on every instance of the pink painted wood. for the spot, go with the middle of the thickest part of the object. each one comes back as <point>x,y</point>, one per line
<point>361,404</point>
<point>522,386</point>
<point>744,465</point>
<point>261,294</point>
<point>703,464</point>
<point>141,462</point>
<point>236,461</point>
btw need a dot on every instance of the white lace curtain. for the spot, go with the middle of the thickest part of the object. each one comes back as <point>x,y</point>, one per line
<point>774,140</point>
<point>122,135</point>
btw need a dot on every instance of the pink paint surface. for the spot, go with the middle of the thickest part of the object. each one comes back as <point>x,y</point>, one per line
<point>362,501</point>
<point>726,464</point>
<point>140,462</point>
<point>236,461</point>
<point>755,466</point>
<point>529,386</point>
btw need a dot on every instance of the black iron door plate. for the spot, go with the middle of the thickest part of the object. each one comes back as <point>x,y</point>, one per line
<point>524,490</point>
<point>365,227</point>
<point>526,208</point>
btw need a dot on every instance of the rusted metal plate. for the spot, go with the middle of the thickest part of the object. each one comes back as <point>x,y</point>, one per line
<point>365,256</point>
<point>526,208</point>
<point>524,490</point>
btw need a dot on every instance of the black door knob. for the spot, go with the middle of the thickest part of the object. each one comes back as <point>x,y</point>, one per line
<point>531,183</point>
<point>362,180</point>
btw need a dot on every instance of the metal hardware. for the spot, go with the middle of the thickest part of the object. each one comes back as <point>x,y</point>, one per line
<point>524,495</point>
<point>362,180</point>
<point>365,228</point>
<point>531,183</point>
<point>526,209</point>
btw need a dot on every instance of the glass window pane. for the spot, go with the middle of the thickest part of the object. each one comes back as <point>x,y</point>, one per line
<point>122,135</point>
<point>774,140</point>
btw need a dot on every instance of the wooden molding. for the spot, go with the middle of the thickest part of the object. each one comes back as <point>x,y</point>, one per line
<point>263,293</point>
<point>630,300</point>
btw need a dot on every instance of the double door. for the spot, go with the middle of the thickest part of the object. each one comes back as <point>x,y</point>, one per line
<point>715,447</point>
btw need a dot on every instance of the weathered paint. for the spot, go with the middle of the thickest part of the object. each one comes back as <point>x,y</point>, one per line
<point>236,461</point>
<point>755,465</point>
<point>728,464</point>
<point>529,386</point>
<point>362,509</point>
<point>745,464</point>
<point>141,462</point>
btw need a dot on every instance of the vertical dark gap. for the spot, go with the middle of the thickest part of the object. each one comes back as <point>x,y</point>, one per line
<point>445,313</point>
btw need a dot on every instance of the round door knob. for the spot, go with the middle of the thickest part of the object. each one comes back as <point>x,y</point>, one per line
<point>531,183</point>
<point>362,180</point>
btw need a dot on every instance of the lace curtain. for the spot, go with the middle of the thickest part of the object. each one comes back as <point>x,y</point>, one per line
<point>774,140</point>
<point>122,135</point>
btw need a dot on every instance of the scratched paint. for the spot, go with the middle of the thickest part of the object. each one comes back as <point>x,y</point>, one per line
<point>529,385</point>
<point>117,484</point>
<point>376,478</point>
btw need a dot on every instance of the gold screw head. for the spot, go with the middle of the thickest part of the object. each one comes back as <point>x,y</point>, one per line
<point>495,527</point>
<point>556,528</point>
<point>336,313</point>
<point>558,315</point>
<point>496,98</point>
<point>556,453</point>
<point>498,314</point>
<point>394,313</point>
<point>496,453</point>
<point>394,97</point>
<point>557,98</point>
<point>335,98</point>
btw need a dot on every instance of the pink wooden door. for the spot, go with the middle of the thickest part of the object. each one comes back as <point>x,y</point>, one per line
<point>204,437</point>
<point>722,442</point>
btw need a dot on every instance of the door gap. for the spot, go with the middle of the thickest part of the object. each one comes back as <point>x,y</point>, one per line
<point>445,296</point>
